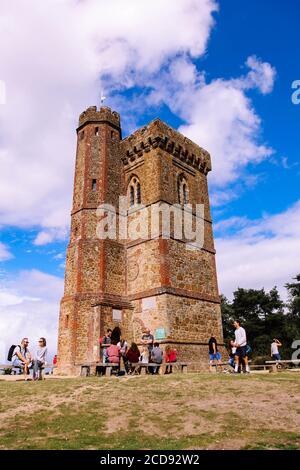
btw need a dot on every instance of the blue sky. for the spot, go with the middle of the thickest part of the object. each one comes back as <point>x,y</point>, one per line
<point>219,71</point>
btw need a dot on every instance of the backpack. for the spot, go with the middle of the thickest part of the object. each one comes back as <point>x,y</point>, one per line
<point>10,352</point>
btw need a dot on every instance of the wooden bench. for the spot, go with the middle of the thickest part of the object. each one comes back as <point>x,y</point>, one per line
<point>86,367</point>
<point>14,370</point>
<point>278,366</point>
<point>182,366</point>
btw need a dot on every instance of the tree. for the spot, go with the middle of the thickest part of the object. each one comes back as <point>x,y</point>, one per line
<point>292,328</point>
<point>294,298</point>
<point>260,312</point>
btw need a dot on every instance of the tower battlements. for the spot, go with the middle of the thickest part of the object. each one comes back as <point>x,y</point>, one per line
<point>104,114</point>
<point>157,134</point>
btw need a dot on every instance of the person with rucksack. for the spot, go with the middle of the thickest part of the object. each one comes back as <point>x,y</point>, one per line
<point>21,357</point>
<point>156,357</point>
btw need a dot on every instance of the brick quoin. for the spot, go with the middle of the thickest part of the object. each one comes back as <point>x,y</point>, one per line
<point>156,283</point>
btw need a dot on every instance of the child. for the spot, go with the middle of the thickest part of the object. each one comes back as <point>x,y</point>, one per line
<point>144,358</point>
<point>232,353</point>
<point>144,355</point>
<point>170,356</point>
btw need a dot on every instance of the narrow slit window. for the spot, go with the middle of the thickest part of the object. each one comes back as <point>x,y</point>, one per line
<point>185,198</point>
<point>138,193</point>
<point>131,196</point>
<point>97,131</point>
<point>94,185</point>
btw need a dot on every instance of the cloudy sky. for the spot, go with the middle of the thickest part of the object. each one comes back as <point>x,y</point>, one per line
<point>219,71</point>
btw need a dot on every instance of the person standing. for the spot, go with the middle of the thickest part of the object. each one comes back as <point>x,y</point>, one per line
<point>123,351</point>
<point>104,344</point>
<point>40,359</point>
<point>241,347</point>
<point>274,349</point>
<point>148,340</point>
<point>214,354</point>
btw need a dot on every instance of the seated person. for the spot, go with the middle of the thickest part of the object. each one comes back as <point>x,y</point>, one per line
<point>113,354</point>
<point>133,356</point>
<point>156,357</point>
<point>171,356</point>
<point>40,359</point>
<point>22,358</point>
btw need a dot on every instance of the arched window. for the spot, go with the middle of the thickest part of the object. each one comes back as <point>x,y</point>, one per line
<point>134,192</point>
<point>182,190</point>
<point>131,196</point>
<point>138,193</point>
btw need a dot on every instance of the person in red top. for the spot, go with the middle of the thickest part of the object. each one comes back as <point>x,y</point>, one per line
<point>170,356</point>
<point>133,356</point>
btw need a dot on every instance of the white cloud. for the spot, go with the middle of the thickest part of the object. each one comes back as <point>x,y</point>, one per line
<point>58,57</point>
<point>5,254</point>
<point>48,236</point>
<point>262,253</point>
<point>262,75</point>
<point>219,115</point>
<point>29,306</point>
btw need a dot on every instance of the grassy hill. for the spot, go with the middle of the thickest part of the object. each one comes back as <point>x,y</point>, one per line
<point>192,411</point>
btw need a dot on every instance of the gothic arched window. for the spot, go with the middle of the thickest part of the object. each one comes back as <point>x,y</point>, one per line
<point>182,190</point>
<point>134,192</point>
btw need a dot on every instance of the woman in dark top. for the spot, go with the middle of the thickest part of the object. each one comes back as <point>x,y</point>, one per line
<point>133,356</point>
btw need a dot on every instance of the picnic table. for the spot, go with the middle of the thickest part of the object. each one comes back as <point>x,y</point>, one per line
<point>282,364</point>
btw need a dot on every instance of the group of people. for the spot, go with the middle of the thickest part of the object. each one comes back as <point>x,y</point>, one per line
<point>239,350</point>
<point>22,358</point>
<point>115,350</point>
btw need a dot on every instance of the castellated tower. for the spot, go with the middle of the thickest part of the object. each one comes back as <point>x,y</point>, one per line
<point>156,281</point>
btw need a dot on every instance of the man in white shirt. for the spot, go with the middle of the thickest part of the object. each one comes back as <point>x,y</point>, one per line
<point>274,349</point>
<point>22,358</point>
<point>241,347</point>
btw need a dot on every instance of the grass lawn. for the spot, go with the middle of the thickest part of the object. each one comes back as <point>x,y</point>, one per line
<point>186,411</point>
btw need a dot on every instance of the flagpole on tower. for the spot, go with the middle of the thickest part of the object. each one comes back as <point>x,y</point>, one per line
<point>102,98</point>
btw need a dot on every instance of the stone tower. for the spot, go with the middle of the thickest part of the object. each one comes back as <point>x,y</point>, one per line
<point>156,281</point>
